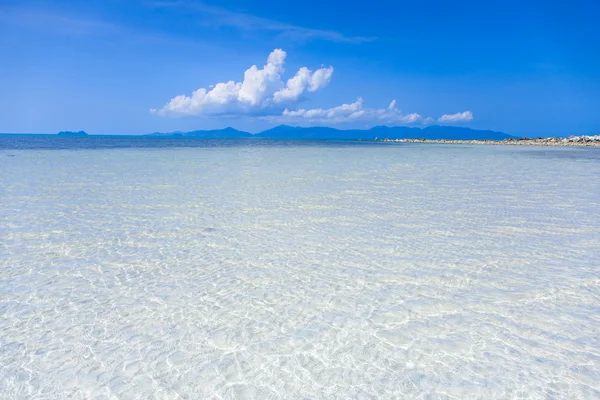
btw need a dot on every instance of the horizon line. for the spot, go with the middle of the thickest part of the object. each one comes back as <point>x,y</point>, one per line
<point>259,132</point>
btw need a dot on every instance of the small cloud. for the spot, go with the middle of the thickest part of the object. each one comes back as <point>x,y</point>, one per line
<point>262,88</point>
<point>465,116</point>
<point>345,113</point>
<point>52,22</point>
<point>304,80</point>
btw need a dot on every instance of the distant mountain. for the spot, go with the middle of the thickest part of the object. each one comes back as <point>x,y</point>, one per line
<point>315,132</point>
<point>437,132</point>
<point>227,133</point>
<point>72,134</point>
<point>382,132</point>
<point>324,133</point>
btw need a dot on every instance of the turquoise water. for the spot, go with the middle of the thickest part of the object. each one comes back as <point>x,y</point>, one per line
<point>155,268</point>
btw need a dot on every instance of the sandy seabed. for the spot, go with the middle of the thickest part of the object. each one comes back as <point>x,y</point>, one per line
<point>300,271</point>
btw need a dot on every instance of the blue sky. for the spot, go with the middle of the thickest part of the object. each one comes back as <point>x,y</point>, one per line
<point>117,66</point>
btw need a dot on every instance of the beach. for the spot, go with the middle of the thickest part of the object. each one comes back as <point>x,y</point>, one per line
<point>572,141</point>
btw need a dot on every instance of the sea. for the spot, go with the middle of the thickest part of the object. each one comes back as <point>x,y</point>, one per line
<point>138,268</point>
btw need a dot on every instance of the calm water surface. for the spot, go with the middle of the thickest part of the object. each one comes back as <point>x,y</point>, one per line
<point>161,268</point>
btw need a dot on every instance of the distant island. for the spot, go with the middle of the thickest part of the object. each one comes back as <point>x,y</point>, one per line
<point>399,134</point>
<point>434,132</point>
<point>72,134</point>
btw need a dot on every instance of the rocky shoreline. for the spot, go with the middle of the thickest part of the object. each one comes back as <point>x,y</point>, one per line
<point>582,141</point>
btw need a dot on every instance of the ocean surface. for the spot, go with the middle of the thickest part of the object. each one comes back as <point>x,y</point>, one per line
<point>135,268</point>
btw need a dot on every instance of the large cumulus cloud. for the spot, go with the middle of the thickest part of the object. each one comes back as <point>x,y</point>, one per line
<point>262,88</point>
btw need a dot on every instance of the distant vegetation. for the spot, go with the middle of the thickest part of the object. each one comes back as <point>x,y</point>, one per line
<point>71,133</point>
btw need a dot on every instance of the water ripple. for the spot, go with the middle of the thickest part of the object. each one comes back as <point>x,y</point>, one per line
<point>299,272</point>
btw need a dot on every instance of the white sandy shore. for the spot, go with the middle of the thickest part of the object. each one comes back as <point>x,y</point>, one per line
<point>585,141</point>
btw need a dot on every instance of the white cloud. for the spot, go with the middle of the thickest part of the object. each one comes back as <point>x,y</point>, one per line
<point>356,112</point>
<point>458,117</point>
<point>258,84</point>
<point>260,89</point>
<point>350,113</point>
<point>304,80</point>
<point>263,94</point>
<point>320,79</point>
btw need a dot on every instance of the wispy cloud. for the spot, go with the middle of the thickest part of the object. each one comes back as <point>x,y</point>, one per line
<point>222,17</point>
<point>465,116</point>
<point>54,22</point>
<point>261,89</point>
<point>356,112</point>
<point>348,113</point>
<point>66,23</point>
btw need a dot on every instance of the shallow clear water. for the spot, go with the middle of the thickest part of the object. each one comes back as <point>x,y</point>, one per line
<point>256,269</point>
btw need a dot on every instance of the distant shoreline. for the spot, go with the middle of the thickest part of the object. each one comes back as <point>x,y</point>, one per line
<point>573,141</point>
